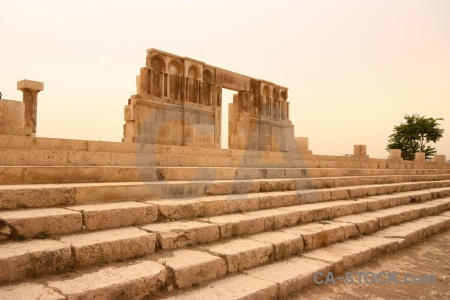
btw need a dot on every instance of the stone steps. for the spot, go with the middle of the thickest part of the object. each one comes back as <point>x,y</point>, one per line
<point>102,247</point>
<point>234,213</point>
<point>137,221</point>
<point>279,279</point>
<point>48,195</point>
<point>97,174</point>
<point>246,257</point>
<point>26,151</point>
<point>32,157</point>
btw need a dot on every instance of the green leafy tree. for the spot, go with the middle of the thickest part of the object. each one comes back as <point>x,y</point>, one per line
<point>414,135</point>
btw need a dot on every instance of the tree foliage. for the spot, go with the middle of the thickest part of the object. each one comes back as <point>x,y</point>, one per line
<point>414,135</point>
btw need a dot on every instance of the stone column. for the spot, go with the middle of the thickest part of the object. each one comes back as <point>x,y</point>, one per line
<point>30,90</point>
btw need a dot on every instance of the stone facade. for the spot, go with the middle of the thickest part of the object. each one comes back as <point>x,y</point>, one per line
<point>179,102</point>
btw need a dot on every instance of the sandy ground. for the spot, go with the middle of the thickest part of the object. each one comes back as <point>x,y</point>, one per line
<point>431,256</point>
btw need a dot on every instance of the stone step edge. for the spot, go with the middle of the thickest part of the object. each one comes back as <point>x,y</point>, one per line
<point>80,218</point>
<point>206,207</point>
<point>302,280</point>
<point>248,237</point>
<point>106,174</point>
<point>31,196</point>
<point>213,181</point>
<point>280,289</point>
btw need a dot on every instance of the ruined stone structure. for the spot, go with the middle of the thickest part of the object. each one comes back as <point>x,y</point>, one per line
<point>145,221</point>
<point>20,118</point>
<point>179,102</point>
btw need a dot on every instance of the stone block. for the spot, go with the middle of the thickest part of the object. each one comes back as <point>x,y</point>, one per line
<point>137,280</point>
<point>360,151</point>
<point>178,209</point>
<point>33,259</point>
<point>102,247</point>
<point>420,157</point>
<point>439,159</point>
<point>239,224</point>
<point>31,85</point>
<point>234,287</point>
<point>285,244</point>
<point>41,222</point>
<point>191,267</point>
<point>342,255</point>
<point>291,275</point>
<point>12,117</point>
<point>316,235</point>
<point>113,215</point>
<point>395,154</point>
<point>241,254</point>
<point>13,197</point>
<point>183,233</point>
<point>29,291</point>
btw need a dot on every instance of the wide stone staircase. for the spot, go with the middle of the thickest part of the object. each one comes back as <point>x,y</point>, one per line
<point>104,220</point>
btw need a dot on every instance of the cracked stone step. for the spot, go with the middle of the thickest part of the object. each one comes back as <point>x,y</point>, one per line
<point>316,235</point>
<point>190,267</point>
<point>102,247</point>
<point>28,290</point>
<point>341,255</point>
<point>297,273</point>
<point>400,214</point>
<point>241,254</point>
<point>40,222</point>
<point>113,215</point>
<point>291,274</point>
<point>187,233</point>
<point>183,233</point>
<point>33,258</point>
<point>284,244</point>
<point>232,288</point>
<point>134,280</point>
<point>336,257</point>
<point>412,232</point>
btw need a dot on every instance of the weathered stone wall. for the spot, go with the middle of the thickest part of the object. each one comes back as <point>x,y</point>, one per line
<point>176,103</point>
<point>179,102</point>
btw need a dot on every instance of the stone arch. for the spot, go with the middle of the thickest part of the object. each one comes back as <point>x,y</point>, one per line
<point>192,72</point>
<point>159,66</point>
<point>157,63</point>
<point>207,88</point>
<point>192,83</point>
<point>174,68</point>
<point>207,76</point>
<point>275,94</point>
<point>265,109</point>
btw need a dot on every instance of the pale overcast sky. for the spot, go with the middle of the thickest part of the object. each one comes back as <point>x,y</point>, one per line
<point>353,68</point>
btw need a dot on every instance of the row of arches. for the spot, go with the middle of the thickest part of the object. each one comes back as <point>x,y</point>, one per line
<point>170,82</point>
<point>158,64</point>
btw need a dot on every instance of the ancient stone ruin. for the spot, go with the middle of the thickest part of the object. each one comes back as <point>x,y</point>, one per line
<point>179,102</point>
<point>20,118</point>
<point>167,213</point>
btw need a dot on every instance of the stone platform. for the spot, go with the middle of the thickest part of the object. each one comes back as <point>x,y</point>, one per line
<point>87,219</point>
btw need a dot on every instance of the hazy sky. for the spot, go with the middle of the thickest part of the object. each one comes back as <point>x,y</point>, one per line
<point>353,68</point>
